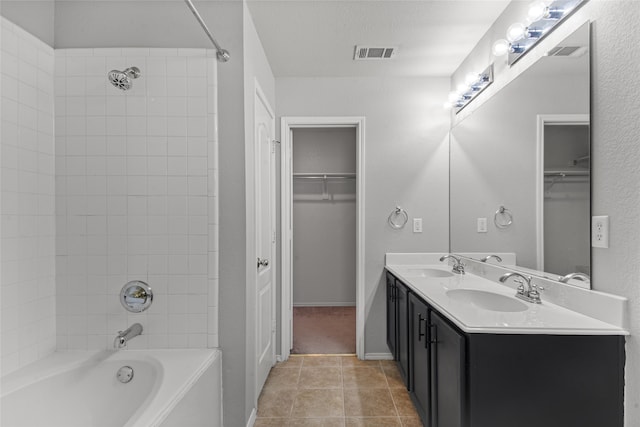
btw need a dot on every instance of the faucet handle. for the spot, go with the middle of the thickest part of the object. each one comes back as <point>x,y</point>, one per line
<point>535,292</point>
<point>520,286</point>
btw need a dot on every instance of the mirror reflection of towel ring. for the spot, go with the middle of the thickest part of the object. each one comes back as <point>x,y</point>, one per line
<point>398,218</point>
<point>503,217</point>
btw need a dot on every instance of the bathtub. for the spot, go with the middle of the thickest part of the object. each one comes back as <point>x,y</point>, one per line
<point>169,388</point>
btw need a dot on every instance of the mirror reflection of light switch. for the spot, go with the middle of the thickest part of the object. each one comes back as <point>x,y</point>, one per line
<point>482,225</point>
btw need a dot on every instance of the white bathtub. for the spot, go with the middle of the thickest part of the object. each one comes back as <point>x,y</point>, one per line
<point>80,389</point>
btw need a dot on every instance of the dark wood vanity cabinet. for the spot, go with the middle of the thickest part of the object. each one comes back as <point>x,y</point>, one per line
<point>448,372</point>
<point>437,366</point>
<point>460,379</point>
<point>398,325</point>
<point>392,316</point>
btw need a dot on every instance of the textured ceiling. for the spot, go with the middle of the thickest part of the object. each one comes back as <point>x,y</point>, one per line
<point>306,38</point>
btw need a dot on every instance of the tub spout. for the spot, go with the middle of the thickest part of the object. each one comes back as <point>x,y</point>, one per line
<point>124,336</point>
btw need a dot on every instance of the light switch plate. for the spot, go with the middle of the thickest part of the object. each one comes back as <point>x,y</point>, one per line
<point>482,225</point>
<point>600,231</point>
<point>417,225</point>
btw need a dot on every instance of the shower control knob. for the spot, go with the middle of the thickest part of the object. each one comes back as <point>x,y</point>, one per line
<point>263,262</point>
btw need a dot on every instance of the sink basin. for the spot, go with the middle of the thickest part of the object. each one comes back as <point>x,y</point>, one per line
<point>487,300</point>
<point>427,272</point>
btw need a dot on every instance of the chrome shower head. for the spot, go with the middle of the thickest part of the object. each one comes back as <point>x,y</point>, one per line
<point>122,79</point>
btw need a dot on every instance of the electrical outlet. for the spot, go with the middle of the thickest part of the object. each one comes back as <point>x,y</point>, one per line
<point>417,225</point>
<point>482,225</point>
<point>600,231</point>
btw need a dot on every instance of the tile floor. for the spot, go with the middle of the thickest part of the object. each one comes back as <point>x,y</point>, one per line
<point>340,391</point>
<point>324,330</point>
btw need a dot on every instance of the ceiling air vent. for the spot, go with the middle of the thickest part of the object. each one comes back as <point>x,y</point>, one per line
<point>365,53</point>
<point>572,51</point>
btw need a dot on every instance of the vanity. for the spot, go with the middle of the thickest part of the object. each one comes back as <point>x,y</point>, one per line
<point>473,355</point>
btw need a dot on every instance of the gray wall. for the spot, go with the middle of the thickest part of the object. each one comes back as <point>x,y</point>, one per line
<point>406,163</point>
<point>324,231</point>
<point>615,157</point>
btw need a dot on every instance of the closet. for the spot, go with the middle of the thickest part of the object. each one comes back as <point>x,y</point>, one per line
<point>324,240</point>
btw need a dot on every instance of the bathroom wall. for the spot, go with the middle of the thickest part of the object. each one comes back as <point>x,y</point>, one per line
<point>615,151</point>
<point>27,254</point>
<point>406,164</point>
<point>324,230</point>
<point>135,196</point>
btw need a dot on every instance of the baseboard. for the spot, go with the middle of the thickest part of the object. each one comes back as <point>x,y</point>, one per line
<point>378,356</point>
<point>252,418</point>
<point>324,304</point>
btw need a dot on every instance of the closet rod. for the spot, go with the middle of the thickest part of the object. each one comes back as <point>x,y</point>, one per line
<point>323,175</point>
<point>564,173</point>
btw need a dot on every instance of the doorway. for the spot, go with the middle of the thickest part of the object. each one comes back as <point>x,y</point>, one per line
<point>322,239</point>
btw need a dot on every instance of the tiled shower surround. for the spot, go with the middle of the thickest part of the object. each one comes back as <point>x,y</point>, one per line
<point>27,257</point>
<point>136,196</point>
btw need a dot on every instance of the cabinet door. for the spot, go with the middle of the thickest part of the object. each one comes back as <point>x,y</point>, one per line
<point>448,374</point>
<point>402,297</point>
<point>419,366</point>
<point>392,316</point>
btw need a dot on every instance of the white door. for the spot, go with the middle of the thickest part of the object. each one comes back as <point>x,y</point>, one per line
<point>265,238</point>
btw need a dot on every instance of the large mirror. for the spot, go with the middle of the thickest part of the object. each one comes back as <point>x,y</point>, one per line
<point>521,164</point>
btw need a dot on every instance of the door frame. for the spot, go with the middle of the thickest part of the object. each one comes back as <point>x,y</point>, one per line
<point>542,120</point>
<point>286,188</point>
<point>259,96</point>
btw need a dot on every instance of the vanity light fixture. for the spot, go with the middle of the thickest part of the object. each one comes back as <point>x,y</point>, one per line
<point>542,17</point>
<point>474,84</point>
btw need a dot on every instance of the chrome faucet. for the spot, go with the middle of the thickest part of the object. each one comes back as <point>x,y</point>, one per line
<point>488,257</point>
<point>124,336</point>
<point>531,293</point>
<point>458,266</point>
<point>577,276</point>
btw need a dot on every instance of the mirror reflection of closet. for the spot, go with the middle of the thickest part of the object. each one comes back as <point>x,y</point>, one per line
<point>566,198</point>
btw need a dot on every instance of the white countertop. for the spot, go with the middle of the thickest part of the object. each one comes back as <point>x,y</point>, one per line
<point>545,318</point>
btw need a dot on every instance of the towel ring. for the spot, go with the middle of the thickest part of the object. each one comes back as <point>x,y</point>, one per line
<point>398,212</point>
<point>503,217</point>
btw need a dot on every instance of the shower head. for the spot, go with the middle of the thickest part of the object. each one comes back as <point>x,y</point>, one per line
<point>122,79</point>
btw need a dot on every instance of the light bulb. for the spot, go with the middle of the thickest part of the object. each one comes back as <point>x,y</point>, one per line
<point>462,89</point>
<point>453,97</point>
<point>536,11</point>
<point>515,32</point>
<point>447,105</point>
<point>500,47</point>
<point>471,78</point>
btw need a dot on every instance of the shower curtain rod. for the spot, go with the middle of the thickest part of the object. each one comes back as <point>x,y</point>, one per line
<point>222,54</point>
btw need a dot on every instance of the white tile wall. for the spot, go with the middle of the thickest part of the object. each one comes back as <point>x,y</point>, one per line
<point>27,255</point>
<point>136,196</point>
